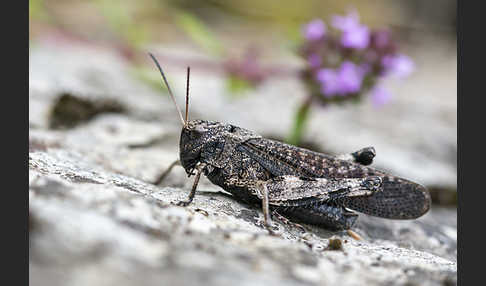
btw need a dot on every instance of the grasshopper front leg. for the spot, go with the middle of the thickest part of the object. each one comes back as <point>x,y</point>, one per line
<point>166,172</point>
<point>199,170</point>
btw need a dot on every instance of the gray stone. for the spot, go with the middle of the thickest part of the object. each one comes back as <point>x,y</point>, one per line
<point>95,218</point>
<point>94,226</point>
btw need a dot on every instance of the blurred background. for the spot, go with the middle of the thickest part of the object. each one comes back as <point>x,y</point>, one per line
<point>247,68</point>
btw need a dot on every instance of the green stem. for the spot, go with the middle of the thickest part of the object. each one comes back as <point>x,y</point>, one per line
<point>301,118</point>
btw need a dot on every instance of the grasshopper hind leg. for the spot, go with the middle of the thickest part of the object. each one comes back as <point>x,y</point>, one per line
<point>317,201</point>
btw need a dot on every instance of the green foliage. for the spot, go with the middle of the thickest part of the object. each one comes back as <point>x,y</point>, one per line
<point>147,75</point>
<point>293,35</point>
<point>121,21</point>
<point>237,85</point>
<point>199,33</point>
<point>300,121</point>
<point>37,10</point>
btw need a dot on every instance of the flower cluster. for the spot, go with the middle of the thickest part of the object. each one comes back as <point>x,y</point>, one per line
<point>350,59</point>
<point>246,71</point>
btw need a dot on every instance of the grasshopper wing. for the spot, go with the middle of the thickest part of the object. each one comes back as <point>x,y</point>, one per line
<point>400,199</point>
<point>294,191</point>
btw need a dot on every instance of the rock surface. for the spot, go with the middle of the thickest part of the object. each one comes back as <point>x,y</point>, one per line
<point>95,218</point>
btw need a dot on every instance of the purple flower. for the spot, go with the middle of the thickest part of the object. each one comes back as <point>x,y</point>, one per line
<point>346,23</point>
<point>380,96</point>
<point>357,38</point>
<point>345,80</point>
<point>315,30</point>
<point>350,78</point>
<point>354,35</point>
<point>248,67</point>
<point>398,65</point>
<point>329,82</point>
<point>314,60</point>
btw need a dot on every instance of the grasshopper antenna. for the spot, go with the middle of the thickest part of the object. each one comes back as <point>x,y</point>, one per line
<point>187,93</point>
<point>168,88</point>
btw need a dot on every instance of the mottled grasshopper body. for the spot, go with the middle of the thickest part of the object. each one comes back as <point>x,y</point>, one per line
<point>303,185</point>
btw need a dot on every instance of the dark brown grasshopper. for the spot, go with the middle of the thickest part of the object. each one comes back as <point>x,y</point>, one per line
<point>302,185</point>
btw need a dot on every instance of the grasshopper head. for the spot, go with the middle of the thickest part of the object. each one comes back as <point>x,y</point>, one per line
<point>201,140</point>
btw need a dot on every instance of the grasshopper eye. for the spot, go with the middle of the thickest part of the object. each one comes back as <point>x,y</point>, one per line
<point>194,135</point>
<point>197,132</point>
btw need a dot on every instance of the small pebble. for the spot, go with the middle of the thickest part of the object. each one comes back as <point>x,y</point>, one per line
<point>335,244</point>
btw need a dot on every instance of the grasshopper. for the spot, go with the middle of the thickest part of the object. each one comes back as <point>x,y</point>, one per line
<point>303,185</point>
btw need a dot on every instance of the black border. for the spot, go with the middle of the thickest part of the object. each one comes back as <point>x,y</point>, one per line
<point>15,126</point>
<point>470,112</point>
